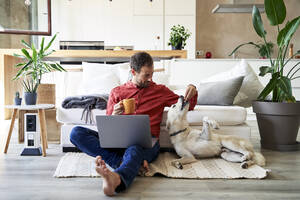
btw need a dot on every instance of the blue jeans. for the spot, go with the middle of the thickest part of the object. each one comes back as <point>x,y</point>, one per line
<point>126,162</point>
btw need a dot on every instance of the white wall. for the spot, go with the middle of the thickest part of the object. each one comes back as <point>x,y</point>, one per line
<point>124,22</point>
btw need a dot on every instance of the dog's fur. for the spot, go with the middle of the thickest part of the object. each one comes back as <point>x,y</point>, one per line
<point>191,144</point>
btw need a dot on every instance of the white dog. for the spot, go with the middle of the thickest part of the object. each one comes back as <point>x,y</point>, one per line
<point>191,143</point>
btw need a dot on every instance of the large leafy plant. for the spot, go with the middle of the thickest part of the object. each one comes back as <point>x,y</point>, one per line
<point>280,82</point>
<point>34,66</point>
<point>178,36</point>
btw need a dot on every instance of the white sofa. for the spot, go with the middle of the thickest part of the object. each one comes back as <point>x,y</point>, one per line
<point>177,74</point>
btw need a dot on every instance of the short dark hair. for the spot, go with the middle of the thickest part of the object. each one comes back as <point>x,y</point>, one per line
<point>140,59</point>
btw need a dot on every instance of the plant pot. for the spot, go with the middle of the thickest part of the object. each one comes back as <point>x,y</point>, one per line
<point>178,47</point>
<point>30,98</point>
<point>278,124</point>
<point>18,101</point>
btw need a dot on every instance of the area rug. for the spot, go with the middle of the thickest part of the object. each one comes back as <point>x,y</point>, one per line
<point>82,165</point>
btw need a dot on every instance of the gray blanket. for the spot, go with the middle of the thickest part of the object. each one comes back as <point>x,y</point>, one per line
<point>89,102</point>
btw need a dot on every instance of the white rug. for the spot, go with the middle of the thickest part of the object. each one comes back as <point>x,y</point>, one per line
<point>82,165</point>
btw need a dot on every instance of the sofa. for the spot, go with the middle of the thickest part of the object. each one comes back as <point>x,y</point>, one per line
<point>101,78</point>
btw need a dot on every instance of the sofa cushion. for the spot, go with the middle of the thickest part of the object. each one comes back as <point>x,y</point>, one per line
<point>225,115</point>
<point>220,92</point>
<point>251,86</point>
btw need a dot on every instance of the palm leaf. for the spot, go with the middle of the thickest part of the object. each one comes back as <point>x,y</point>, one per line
<point>25,44</point>
<point>50,43</point>
<point>25,52</point>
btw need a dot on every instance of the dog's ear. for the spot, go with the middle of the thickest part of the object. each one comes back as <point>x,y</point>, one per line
<point>168,125</point>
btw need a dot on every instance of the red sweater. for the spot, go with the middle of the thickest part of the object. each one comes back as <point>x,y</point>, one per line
<point>150,101</point>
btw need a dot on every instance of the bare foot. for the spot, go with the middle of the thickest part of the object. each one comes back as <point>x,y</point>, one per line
<point>111,180</point>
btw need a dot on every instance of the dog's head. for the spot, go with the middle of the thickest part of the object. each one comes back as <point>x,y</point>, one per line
<point>177,112</point>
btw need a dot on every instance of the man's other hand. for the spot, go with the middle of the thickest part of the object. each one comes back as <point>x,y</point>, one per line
<point>118,108</point>
<point>190,92</point>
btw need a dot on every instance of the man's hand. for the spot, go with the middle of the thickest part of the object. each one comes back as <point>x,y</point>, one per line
<point>190,92</point>
<point>118,108</point>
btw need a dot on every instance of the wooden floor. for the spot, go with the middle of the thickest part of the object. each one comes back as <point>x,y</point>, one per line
<point>31,178</point>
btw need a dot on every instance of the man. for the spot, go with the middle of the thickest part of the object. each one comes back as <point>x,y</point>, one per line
<point>150,99</point>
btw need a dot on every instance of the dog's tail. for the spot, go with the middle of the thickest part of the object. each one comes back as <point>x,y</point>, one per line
<point>259,159</point>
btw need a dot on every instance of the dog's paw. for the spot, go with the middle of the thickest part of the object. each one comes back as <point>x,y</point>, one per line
<point>177,164</point>
<point>244,165</point>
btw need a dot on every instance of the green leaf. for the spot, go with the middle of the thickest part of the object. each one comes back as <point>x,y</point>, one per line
<point>265,69</point>
<point>19,56</point>
<point>269,87</point>
<point>22,70</point>
<point>25,52</point>
<point>25,44</point>
<point>50,43</point>
<point>34,53</point>
<point>284,84</point>
<point>276,11</point>
<point>257,22</point>
<point>288,31</point>
<point>60,67</point>
<point>248,43</point>
<point>20,64</point>
<point>42,45</point>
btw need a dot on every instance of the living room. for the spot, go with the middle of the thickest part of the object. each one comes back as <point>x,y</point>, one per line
<point>94,42</point>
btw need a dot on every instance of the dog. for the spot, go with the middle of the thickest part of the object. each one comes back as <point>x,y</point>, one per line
<point>192,144</point>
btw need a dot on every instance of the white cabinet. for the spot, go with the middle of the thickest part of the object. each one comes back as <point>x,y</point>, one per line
<point>135,23</point>
<point>146,7</point>
<point>180,7</point>
<point>146,30</point>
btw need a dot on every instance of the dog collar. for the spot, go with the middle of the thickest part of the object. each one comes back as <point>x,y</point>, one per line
<point>176,133</point>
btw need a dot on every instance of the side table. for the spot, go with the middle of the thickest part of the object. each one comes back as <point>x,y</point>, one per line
<point>41,112</point>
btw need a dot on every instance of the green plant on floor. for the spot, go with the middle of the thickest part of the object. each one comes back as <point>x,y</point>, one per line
<point>34,66</point>
<point>280,83</point>
<point>178,37</point>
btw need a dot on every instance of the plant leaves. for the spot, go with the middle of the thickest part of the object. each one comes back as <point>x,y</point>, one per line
<point>25,52</point>
<point>19,56</point>
<point>269,87</point>
<point>265,69</point>
<point>287,32</point>
<point>22,70</point>
<point>276,11</point>
<point>25,44</point>
<point>49,44</point>
<point>248,43</point>
<point>257,22</point>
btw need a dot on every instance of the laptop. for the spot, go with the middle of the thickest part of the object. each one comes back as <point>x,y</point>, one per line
<point>122,131</point>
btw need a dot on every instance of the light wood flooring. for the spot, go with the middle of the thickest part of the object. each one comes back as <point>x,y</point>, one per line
<point>31,178</point>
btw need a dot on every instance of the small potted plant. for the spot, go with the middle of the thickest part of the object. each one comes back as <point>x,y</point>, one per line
<point>18,100</point>
<point>33,67</point>
<point>278,118</point>
<point>178,37</point>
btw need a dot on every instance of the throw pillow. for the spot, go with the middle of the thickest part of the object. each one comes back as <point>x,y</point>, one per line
<point>220,92</point>
<point>98,78</point>
<point>251,86</point>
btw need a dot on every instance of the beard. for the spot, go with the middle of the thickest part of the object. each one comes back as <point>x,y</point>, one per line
<point>143,84</point>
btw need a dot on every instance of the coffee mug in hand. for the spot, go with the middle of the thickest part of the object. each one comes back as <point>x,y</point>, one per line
<point>129,106</point>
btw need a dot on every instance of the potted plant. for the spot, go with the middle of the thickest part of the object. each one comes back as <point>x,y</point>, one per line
<point>279,118</point>
<point>178,37</point>
<point>18,100</point>
<point>33,67</point>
